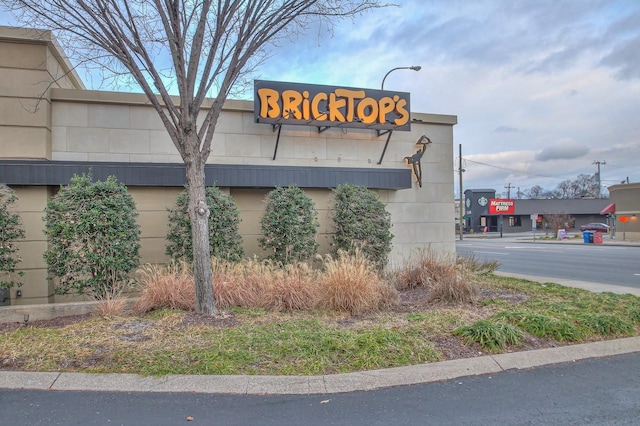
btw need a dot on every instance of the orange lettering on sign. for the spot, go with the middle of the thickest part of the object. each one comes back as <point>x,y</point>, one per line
<point>315,105</point>
<point>340,105</point>
<point>335,104</point>
<point>291,101</point>
<point>401,112</point>
<point>269,103</point>
<point>368,110</point>
<point>350,96</point>
<point>386,105</point>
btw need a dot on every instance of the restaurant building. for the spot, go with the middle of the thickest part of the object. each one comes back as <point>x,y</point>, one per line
<point>52,127</point>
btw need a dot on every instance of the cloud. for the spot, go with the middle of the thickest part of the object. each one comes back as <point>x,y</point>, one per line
<point>505,129</point>
<point>530,81</point>
<point>564,149</point>
<point>625,59</point>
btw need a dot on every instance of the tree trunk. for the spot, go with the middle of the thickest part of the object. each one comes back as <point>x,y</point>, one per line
<point>199,215</point>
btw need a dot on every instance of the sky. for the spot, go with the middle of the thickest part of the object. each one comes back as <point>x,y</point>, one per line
<point>543,89</point>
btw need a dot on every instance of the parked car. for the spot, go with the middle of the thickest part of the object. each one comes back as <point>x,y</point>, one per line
<point>602,227</point>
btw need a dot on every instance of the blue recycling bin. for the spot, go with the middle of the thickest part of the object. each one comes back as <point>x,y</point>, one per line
<point>587,237</point>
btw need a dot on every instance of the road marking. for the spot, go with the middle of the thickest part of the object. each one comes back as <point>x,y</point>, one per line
<point>493,252</point>
<point>637,275</point>
<point>556,249</point>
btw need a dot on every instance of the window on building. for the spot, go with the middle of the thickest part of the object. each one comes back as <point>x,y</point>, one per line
<point>515,221</point>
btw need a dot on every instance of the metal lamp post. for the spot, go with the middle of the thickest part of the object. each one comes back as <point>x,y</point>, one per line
<point>414,68</point>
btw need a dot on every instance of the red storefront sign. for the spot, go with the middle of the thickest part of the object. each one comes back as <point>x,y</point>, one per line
<point>501,206</point>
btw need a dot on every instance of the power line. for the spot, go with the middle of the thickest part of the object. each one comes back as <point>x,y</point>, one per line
<point>598,163</point>
<point>508,188</point>
<point>524,172</point>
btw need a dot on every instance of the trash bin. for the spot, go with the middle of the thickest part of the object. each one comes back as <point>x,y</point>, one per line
<point>587,237</point>
<point>597,238</point>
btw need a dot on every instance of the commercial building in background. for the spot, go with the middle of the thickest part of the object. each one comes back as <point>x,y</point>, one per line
<point>51,128</point>
<point>521,215</point>
<point>624,211</point>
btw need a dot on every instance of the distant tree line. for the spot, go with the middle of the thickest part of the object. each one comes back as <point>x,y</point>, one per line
<point>584,186</point>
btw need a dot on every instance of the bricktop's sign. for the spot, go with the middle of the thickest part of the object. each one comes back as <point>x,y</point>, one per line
<point>330,106</point>
<point>501,206</point>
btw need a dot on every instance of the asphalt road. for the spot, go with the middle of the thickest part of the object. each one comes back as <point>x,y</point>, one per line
<point>615,265</point>
<point>601,391</point>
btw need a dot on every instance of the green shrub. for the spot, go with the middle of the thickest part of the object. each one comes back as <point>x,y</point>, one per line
<point>492,336</point>
<point>289,225</point>
<point>94,240</point>
<point>225,241</point>
<point>10,230</point>
<point>361,222</point>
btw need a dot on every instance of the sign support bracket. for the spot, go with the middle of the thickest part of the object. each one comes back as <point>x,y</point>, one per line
<point>388,132</point>
<point>279,126</point>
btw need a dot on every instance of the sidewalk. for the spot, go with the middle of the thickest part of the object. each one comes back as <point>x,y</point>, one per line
<point>540,237</point>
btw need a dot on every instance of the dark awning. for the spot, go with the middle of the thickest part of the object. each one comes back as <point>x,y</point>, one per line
<point>611,208</point>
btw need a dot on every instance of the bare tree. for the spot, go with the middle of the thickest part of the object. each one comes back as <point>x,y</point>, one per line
<point>203,47</point>
<point>582,186</point>
<point>536,192</point>
<point>557,221</point>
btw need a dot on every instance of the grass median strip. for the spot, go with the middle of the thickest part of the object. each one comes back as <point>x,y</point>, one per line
<point>509,315</point>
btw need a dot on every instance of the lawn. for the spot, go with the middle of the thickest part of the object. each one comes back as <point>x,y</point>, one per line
<point>507,315</point>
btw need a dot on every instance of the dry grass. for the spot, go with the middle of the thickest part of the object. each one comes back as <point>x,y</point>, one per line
<point>452,287</point>
<point>288,289</point>
<point>166,287</point>
<point>447,279</point>
<point>235,284</point>
<point>263,284</point>
<point>351,284</point>
<point>111,306</point>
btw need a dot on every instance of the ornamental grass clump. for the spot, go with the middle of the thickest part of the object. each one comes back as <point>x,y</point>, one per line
<point>165,287</point>
<point>289,288</point>
<point>263,284</point>
<point>350,283</point>
<point>446,280</point>
<point>111,306</point>
<point>541,325</point>
<point>492,336</point>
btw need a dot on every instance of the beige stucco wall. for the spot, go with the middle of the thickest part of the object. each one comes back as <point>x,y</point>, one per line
<point>30,65</point>
<point>99,126</point>
<point>31,203</point>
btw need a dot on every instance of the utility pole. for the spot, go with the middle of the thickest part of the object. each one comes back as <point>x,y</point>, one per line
<point>462,212</point>
<point>598,163</point>
<point>508,188</point>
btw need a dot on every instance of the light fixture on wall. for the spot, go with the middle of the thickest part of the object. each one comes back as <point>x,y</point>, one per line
<point>414,160</point>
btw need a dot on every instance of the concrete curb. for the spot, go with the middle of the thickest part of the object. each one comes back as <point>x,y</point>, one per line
<point>326,384</point>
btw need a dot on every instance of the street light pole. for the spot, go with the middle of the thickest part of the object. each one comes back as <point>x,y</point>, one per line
<point>414,68</point>
<point>462,214</point>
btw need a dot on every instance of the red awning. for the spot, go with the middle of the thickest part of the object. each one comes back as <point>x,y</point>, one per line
<point>611,208</point>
